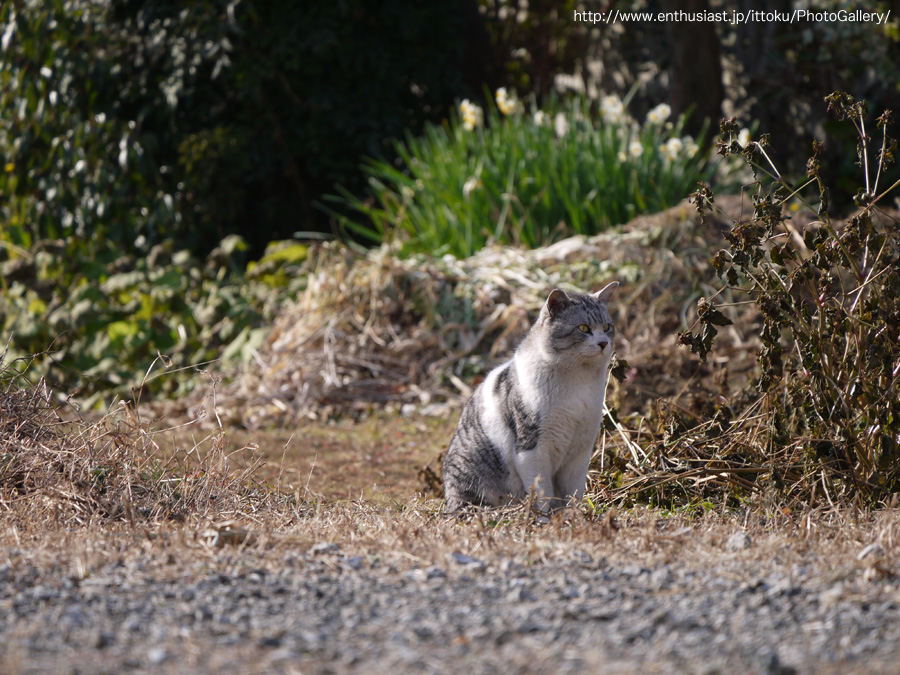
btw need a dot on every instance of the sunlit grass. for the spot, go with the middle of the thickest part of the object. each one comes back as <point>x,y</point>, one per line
<point>526,177</point>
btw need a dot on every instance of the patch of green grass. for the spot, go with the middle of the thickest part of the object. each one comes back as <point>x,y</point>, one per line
<point>526,177</point>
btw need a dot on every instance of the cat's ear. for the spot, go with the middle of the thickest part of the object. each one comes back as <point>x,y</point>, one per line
<point>605,294</point>
<point>557,301</point>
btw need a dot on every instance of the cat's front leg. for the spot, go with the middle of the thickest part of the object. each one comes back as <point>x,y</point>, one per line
<point>571,479</point>
<point>535,472</point>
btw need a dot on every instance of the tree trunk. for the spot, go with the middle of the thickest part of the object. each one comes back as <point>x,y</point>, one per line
<point>696,65</point>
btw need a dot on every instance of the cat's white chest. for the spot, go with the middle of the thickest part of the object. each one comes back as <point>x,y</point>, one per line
<point>571,406</point>
<point>573,421</point>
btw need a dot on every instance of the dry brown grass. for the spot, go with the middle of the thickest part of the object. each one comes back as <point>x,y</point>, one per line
<point>373,330</point>
<point>56,467</point>
<point>415,535</point>
<point>76,496</point>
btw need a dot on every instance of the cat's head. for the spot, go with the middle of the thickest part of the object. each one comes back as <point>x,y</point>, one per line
<point>577,327</point>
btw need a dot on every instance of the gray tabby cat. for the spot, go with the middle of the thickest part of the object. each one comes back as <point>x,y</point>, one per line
<point>534,420</point>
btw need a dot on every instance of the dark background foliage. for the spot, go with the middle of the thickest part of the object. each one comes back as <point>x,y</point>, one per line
<point>197,121</point>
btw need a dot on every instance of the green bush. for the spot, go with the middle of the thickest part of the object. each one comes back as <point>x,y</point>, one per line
<point>526,178</point>
<point>98,319</point>
<point>830,310</point>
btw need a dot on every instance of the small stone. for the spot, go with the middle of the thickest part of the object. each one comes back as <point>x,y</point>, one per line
<point>324,547</point>
<point>570,593</point>
<point>423,632</point>
<point>772,665</point>
<point>257,576</point>
<point>104,639</point>
<point>354,563</point>
<point>157,655</point>
<point>45,593</point>
<point>463,559</point>
<point>435,573</point>
<point>582,558</point>
<point>202,613</point>
<point>635,570</point>
<point>518,593</point>
<point>75,617</point>
<point>416,575</point>
<point>661,578</point>
<point>313,638</point>
<point>782,586</point>
<point>738,542</point>
<point>133,624</point>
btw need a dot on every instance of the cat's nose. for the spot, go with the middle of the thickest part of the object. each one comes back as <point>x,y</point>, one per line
<point>602,344</point>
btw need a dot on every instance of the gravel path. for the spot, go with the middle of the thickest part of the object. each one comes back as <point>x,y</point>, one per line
<point>711,602</point>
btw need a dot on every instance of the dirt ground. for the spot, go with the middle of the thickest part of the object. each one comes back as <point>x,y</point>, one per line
<point>379,457</point>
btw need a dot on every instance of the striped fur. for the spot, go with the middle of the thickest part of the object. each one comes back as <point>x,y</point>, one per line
<point>533,422</point>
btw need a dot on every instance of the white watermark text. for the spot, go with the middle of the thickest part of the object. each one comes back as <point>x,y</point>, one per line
<point>736,17</point>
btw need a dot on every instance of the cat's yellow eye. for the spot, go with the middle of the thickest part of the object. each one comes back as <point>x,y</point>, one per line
<point>605,327</point>
<point>584,328</point>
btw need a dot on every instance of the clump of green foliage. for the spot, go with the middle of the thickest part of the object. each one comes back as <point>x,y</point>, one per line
<point>829,300</point>
<point>526,177</point>
<point>98,318</point>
